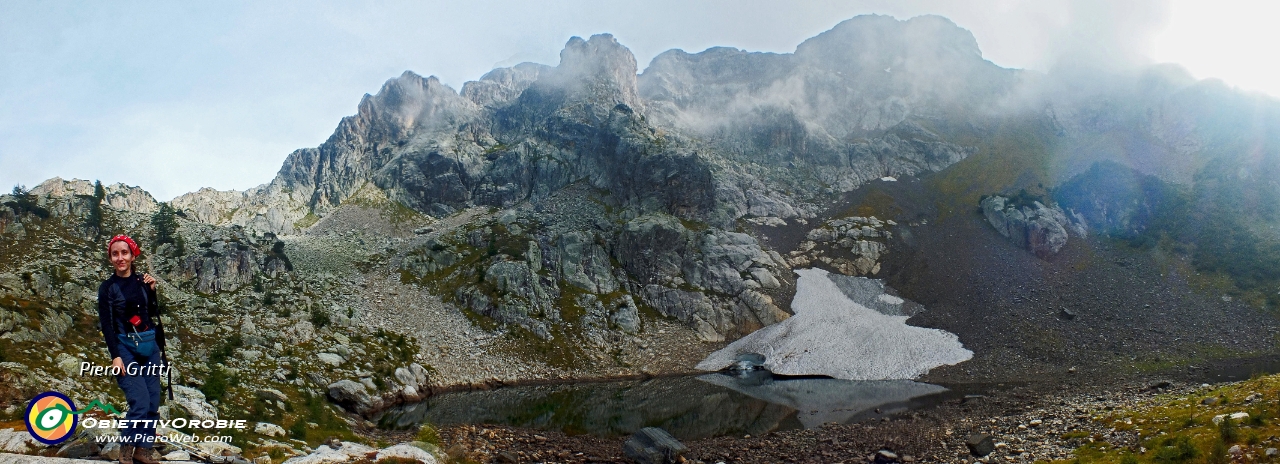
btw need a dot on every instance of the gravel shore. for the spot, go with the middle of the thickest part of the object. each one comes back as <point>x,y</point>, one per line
<point>1027,423</point>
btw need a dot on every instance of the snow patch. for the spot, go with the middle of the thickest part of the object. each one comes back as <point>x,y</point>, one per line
<point>832,335</point>
<point>887,298</point>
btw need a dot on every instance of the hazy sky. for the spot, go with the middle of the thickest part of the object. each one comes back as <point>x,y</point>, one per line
<point>173,96</point>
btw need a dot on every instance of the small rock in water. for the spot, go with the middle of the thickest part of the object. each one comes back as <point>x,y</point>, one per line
<point>748,361</point>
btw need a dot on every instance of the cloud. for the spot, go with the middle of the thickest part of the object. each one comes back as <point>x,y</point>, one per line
<point>1101,34</point>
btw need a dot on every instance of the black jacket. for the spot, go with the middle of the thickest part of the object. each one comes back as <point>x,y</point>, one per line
<point>121,298</point>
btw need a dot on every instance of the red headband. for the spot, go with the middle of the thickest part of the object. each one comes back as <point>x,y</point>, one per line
<point>133,246</point>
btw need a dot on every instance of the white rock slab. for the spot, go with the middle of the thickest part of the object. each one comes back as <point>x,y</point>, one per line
<point>406,451</point>
<point>326,455</point>
<point>10,458</point>
<point>832,335</point>
<point>269,429</point>
<point>18,441</point>
<point>178,456</point>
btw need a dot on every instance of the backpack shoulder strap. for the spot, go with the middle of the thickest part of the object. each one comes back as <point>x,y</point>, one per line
<point>112,293</point>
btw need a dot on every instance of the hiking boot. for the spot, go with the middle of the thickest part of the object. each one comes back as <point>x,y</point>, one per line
<point>144,456</point>
<point>126,454</point>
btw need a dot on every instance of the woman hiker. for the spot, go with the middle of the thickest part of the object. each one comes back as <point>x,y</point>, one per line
<point>129,317</point>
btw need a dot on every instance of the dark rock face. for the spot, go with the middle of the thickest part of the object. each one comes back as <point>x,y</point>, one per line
<point>226,262</point>
<point>1036,227</point>
<point>220,271</point>
<point>1116,200</point>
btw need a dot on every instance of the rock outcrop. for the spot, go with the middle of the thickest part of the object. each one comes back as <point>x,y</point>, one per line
<point>852,246</point>
<point>716,282</point>
<point>1036,227</point>
<point>118,196</point>
<point>411,383</point>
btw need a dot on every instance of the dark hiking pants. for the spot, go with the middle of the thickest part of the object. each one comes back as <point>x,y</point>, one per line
<point>143,394</point>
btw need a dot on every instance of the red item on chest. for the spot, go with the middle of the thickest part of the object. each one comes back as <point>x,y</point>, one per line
<point>135,320</point>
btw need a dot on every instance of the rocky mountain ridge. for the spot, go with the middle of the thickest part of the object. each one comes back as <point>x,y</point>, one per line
<point>520,135</point>
<point>437,150</point>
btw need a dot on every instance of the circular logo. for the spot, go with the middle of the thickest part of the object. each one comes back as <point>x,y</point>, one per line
<point>51,418</point>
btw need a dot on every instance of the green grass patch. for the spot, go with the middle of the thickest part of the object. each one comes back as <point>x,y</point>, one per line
<point>307,221</point>
<point>1180,429</point>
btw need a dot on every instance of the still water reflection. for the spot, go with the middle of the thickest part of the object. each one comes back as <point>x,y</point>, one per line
<point>687,407</point>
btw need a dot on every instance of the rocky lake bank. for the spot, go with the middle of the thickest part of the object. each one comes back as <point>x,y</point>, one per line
<point>1043,422</point>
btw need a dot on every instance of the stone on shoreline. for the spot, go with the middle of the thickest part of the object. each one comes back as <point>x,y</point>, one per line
<point>652,445</point>
<point>980,444</point>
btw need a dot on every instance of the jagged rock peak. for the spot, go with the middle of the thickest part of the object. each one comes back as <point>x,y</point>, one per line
<point>503,85</point>
<point>876,41</point>
<point>869,73</point>
<point>597,69</point>
<point>118,195</point>
<point>405,105</point>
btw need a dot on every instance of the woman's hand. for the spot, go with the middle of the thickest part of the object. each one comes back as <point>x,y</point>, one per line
<point>147,279</point>
<point>118,365</point>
